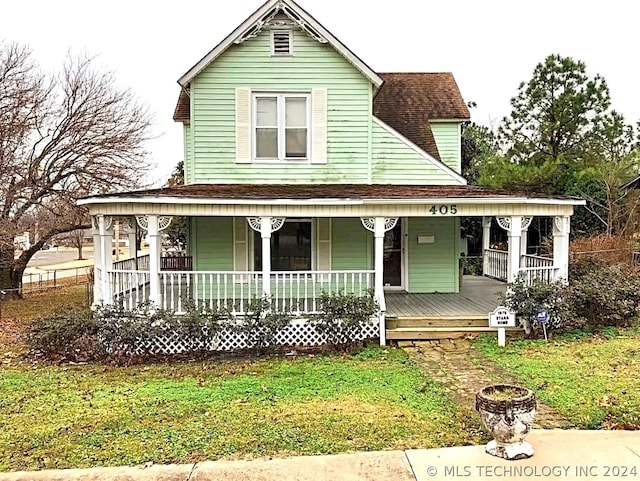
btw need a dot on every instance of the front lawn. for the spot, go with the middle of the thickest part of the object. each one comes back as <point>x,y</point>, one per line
<point>92,415</point>
<point>590,378</point>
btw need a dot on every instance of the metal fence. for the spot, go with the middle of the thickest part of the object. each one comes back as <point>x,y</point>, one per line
<point>48,279</point>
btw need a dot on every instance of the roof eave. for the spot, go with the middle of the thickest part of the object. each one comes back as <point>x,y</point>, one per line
<point>326,201</point>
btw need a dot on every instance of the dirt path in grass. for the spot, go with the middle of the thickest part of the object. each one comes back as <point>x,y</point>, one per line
<point>463,371</point>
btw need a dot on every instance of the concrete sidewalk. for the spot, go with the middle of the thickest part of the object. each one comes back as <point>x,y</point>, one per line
<point>560,454</point>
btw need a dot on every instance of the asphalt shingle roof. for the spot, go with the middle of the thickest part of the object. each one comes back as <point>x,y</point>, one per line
<point>407,102</point>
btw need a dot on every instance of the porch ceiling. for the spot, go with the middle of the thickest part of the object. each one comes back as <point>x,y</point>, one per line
<point>328,200</point>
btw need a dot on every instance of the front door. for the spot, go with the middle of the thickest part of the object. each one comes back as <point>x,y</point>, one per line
<point>393,265</point>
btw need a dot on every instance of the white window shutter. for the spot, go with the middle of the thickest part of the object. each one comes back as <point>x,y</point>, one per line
<point>319,126</point>
<point>243,125</point>
<point>240,244</point>
<point>323,227</point>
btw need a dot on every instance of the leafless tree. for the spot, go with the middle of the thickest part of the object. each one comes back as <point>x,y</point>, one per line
<point>74,239</point>
<point>62,137</point>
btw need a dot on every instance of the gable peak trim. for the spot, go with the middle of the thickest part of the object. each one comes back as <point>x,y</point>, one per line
<point>268,20</point>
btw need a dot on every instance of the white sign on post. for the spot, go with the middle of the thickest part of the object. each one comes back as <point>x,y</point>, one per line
<point>501,318</point>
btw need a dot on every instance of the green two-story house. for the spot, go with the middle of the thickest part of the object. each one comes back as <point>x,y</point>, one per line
<point>307,171</point>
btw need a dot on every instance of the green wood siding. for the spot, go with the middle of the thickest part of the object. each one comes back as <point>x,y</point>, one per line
<point>395,162</point>
<point>251,65</point>
<point>433,267</point>
<point>212,243</point>
<point>447,137</point>
<point>351,246</point>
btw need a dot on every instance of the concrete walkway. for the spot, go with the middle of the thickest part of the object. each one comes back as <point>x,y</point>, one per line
<point>559,454</point>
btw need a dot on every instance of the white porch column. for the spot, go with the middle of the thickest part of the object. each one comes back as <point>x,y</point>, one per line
<point>106,259</point>
<point>154,225</point>
<point>265,234</point>
<point>513,226</point>
<point>133,252</point>
<point>266,226</point>
<point>379,225</point>
<point>515,234</point>
<point>155,250</point>
<point>486,243</point>
<point>561,228</point>
<point>97,260</point>
<point>526,222</point>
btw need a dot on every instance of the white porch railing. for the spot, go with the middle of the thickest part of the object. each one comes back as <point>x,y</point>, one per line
<point>532,261</point>
<point>298,291</point>
<point>537,269</point>
<point>541,274</point>
<point>534,268</point>
<point>295,291</point>
<point>130,264</point>
<point>213,289</point>
<point>496,264</point>
<point>131,288</point>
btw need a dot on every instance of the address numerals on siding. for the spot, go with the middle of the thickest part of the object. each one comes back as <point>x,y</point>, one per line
<point>444,209</point>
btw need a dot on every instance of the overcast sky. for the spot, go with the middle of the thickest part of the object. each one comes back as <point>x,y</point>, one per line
<point>489,45</point>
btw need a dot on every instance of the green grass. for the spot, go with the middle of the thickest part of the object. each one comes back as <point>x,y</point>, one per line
<point>591,378</point>
<point>80,416</point>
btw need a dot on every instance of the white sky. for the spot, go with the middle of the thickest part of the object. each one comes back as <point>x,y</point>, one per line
<point>489,45</point>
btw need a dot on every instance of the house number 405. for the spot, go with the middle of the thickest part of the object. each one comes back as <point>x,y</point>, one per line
<point>444,209</point>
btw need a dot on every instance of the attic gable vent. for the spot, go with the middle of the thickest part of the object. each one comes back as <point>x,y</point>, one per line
<point>281,42</point>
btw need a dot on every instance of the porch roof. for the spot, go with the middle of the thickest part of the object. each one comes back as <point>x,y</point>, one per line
<point>328,200</point>
<point>314,199</point>
<point>364,192</point>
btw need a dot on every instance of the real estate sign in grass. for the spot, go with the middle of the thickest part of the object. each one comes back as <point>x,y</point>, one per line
<point>590,378</point>
<point>79,416</point>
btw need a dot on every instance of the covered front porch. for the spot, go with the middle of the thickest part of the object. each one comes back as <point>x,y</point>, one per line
<point>427,242</point>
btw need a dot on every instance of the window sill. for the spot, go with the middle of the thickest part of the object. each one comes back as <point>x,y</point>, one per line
<point>281,161</point>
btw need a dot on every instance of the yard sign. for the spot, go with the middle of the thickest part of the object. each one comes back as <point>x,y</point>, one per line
<point>501,318</point>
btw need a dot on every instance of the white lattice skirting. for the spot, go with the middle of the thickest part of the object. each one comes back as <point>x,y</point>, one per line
<point>298,333</point>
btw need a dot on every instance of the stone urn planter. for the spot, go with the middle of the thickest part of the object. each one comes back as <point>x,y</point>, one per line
<point>507,412</point>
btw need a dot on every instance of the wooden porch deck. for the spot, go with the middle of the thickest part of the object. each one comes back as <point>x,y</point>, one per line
<point>477,297</point>
<point>443,316</point>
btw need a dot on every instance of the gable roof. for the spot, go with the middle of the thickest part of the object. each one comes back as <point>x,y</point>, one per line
<point>257,21</point>
<point>409,101</point>
<point>435,94</point>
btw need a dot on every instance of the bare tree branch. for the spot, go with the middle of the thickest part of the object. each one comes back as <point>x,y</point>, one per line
<point>62,137</point>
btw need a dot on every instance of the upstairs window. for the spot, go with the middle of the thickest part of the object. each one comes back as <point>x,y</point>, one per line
<point>281,42</point>
<point>281,126</point>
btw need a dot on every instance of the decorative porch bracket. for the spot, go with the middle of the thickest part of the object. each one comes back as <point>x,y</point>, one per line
<point>266,226</point>
<point>514,226</point>
<point>154,225</point>
<point>561,228</point>
<point>379,225</point>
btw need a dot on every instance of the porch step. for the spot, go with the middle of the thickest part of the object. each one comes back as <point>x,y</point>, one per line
<point>437,327</point>
<point>437,321</point>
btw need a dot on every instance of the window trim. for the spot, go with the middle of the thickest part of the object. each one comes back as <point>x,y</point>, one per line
<point>314,245</point>
<point>273,42</point>
<point>281,126</point>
